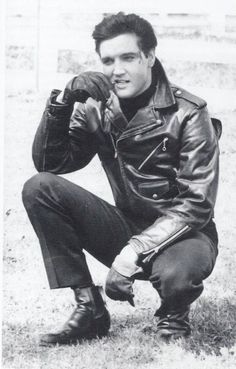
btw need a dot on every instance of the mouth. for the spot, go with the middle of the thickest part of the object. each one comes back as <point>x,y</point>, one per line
<point>120,83</point>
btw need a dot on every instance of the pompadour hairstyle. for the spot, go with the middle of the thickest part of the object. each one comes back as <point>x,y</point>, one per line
<point>120,23</point>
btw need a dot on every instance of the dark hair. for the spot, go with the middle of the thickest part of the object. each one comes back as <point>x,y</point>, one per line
<point>120,23</point>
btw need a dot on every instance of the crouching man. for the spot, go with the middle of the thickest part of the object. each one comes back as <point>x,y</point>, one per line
<point>159,150</point>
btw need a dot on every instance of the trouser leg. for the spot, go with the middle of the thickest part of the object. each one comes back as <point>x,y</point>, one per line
<point>178,272</point>
<point>68,219</point>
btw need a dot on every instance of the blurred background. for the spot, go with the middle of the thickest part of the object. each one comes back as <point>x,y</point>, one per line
<point>46,40</point>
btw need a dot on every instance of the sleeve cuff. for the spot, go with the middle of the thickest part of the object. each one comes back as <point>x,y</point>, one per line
<point>57,109</point>
<point>159,235</point>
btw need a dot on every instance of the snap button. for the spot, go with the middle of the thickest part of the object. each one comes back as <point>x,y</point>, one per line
<point>154,196</point>
<point>178,92</point>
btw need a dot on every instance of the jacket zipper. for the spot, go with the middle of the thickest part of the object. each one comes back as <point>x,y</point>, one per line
<point>130,134</point>
<point>161,145</point>
<point>151,253</point>
<point>136,131</point>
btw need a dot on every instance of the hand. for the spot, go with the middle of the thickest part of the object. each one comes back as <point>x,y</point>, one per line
<point>85,85</point>
<point>113,110</point>
<point>121,275</point>
<point>119,287</point>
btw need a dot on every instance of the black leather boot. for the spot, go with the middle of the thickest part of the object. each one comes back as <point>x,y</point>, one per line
<point>173,324</point>
<point>90,319</point>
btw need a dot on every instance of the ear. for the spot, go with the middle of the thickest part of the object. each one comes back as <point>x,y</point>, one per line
<point>151,58</point>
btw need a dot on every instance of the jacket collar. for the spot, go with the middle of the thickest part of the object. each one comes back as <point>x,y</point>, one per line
<point>163,97</point>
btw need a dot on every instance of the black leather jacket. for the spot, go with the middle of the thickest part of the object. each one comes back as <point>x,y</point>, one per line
<point>162,166</point>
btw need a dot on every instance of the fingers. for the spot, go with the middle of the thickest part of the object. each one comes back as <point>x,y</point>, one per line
<point>119,287</point>
<point>112,102</point>
<point>130,299</point>
<point>92,84</point>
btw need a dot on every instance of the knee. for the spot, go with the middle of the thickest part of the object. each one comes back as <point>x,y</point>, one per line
<point>175,284</point>
<point>172,283</point>
<point>36,185</point>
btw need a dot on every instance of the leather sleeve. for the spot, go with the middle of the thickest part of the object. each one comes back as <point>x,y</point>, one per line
<point>62,143</point>
<point>197,181</point>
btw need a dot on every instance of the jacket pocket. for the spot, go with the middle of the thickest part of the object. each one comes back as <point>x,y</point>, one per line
<point>160,147</point>
<point>155,190</point>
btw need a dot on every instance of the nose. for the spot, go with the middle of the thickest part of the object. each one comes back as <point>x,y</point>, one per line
<point>118,68</point>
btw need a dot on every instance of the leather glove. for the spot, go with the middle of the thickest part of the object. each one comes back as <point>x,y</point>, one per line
<point>113,113</point>
<point>85,85</point>
<point>120,279</point>
<point>119,287</point>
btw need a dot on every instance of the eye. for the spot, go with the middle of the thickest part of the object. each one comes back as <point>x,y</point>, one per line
<point>128,58</point>
<point>107,61</point>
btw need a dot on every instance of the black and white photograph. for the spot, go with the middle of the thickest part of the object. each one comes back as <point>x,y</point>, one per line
<point>119,184</point>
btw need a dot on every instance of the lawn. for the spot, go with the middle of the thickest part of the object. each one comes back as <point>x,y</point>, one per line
<point>30,308</point>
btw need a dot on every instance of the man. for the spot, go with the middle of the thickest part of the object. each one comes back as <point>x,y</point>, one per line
<point>159,150</point>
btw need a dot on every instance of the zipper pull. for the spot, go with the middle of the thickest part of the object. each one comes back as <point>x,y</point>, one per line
<point>164,144</point>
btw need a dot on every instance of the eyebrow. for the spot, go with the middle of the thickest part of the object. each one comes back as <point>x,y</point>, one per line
<point>130,53</point>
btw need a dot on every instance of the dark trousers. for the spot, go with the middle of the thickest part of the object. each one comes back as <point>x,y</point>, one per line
<point>68,219</point>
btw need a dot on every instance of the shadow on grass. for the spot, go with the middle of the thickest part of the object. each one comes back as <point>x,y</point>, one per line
<point>213,326</point>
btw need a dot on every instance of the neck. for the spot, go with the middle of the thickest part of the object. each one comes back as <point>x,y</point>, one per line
<point>131,105</point>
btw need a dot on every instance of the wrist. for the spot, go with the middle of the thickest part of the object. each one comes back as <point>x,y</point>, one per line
<point>59,98</point>
<point>126,262</point>
<point>57,109</point>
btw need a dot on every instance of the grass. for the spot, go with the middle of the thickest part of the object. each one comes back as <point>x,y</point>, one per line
<point>131,343</point>
<point>30,308</point>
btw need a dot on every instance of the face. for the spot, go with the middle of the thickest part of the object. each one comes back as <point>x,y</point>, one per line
<point>127,67</point>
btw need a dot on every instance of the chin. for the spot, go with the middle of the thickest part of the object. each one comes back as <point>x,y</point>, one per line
<point>124,94</point>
